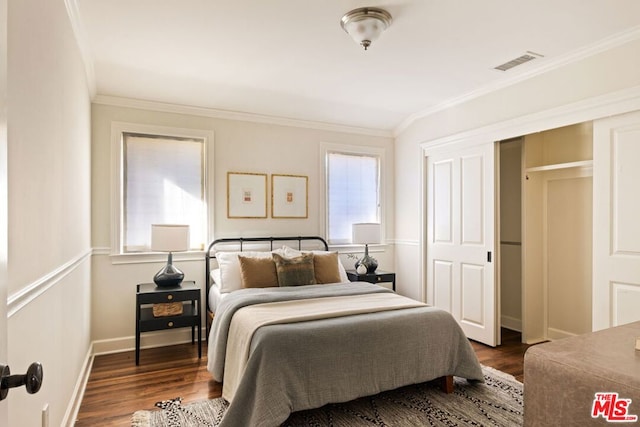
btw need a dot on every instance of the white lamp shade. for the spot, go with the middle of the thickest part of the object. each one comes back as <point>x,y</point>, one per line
<point>365,233</point>
<point>169,237</point>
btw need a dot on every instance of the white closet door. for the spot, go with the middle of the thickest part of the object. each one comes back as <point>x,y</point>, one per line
<point>616,219</point>
<point>461,238</point>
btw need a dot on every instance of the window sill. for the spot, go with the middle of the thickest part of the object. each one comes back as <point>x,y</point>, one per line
<point>155,257</point>
<point>349,248</point>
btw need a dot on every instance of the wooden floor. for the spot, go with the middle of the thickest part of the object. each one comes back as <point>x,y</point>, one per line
<point>117,387</point>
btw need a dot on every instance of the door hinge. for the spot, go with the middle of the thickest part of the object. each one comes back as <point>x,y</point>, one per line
<point>489,256</point>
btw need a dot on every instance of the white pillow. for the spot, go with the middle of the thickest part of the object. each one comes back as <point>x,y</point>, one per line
<point>229,265</point>
<point>216,277</point>
<point>291,253</point>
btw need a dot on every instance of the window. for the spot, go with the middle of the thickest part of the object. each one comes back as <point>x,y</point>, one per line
<point>353,192</point>
<point>162,177</point>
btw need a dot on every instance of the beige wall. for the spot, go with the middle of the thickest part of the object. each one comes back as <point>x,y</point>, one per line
<point>588,82</point>
<point>49,210</point>
<point>239,146</point>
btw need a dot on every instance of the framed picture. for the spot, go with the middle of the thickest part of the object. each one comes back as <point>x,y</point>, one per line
<point>289,196</point>
<point>246,195</point>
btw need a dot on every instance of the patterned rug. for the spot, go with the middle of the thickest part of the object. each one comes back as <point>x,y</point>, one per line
<point>497,402</point>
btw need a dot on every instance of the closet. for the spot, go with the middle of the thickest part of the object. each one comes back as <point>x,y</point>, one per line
<point>551,233</point>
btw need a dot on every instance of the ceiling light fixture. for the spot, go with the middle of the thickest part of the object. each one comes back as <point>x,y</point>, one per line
<point>365,24</point>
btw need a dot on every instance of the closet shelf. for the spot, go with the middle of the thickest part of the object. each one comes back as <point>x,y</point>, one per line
<point>569,165</point>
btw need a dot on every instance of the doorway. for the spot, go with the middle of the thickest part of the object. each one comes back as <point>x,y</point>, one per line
<point>511,234</point>
<point>546,233</point>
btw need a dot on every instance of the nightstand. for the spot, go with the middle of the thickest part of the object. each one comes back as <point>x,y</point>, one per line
<point>148,294</point>
<point>377,276</point>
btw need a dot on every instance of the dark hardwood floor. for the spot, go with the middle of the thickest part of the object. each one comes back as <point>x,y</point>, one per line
<point>508,357</point>
<point>117,387</point>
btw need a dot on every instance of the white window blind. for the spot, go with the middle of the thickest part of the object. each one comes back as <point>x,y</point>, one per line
<point>163,183</point>
<point>353,192</point>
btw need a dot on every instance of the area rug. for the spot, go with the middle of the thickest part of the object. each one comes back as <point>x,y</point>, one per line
<point>497,402</point>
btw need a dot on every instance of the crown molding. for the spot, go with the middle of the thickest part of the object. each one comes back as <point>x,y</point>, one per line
<point>610,104</point>
<point>83,44</point>
<point>549,65</point>
<point>165,107</point>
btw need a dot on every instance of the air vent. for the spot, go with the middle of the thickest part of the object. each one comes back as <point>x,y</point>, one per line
<point>528,56</point>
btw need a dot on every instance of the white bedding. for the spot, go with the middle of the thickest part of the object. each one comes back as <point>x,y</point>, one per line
<point>215,294</point>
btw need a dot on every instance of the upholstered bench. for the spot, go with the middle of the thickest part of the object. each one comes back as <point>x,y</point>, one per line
<point>561,378</point>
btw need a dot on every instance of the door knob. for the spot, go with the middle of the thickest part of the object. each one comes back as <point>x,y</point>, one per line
<point>32,380</point>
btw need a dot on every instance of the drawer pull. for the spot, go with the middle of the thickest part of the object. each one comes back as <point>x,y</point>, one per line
<point>170,324</point>
<point>169,297</point>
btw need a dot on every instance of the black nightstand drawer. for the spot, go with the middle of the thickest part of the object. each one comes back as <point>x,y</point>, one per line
<point>149,293</point>
<point>375,277</point>
<point>168,296</point>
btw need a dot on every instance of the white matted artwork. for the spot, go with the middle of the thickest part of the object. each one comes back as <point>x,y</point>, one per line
<point>246,195</point>
<point>289,196</point>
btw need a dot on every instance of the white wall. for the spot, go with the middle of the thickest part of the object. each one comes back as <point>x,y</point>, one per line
<point>239,146</point>
<point>49,207</point>
<point>590,81</point>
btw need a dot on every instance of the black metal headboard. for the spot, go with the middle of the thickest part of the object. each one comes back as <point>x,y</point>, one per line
<point>240,241</point>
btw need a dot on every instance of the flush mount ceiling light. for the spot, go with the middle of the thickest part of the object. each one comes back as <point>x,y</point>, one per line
<point>365,24</point>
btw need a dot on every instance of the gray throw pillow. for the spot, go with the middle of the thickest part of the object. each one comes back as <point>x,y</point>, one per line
<point>296,271</point>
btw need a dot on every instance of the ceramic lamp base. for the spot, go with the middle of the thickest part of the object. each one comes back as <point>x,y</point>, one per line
<point>369,262</point>
<point>168,276</point>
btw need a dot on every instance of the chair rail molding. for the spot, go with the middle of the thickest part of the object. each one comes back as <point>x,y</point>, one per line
<point>22,298</point>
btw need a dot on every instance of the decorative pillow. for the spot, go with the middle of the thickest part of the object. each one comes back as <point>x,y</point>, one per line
<point>229,265</point>
<point>326,268</point>
<point>296,271</point>
<point>257,272</point>
<point>290,252</point>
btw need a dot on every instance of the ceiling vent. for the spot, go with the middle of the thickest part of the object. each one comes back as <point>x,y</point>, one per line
<point>528,56</point>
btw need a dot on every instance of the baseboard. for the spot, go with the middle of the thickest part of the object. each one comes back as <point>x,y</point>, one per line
<point>511,323</point>
<point>532,341</point>
<point>71,413</point>
<point>147,340</point>
<point>558,334</point>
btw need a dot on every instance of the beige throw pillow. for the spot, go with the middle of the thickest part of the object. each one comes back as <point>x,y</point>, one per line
<point>296,271</point>
<point>257,272</point>
<point>326,267</point>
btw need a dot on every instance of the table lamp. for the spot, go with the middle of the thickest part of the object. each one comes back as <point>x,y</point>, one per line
<point>366,233</point>
<point>169,238</point>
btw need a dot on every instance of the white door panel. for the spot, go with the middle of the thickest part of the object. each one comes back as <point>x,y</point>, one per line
<point>616,238</point>
<point>442,284</point>
<point>460,234</point>
<point>472,294</point>
<point>442,199</point>
<point>471,193</point>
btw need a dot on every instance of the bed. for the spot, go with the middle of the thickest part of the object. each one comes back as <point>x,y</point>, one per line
<point>296,346</point>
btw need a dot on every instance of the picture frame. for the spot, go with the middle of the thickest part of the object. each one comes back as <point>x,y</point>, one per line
<point>289,196</point>
<point>246,195</point>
